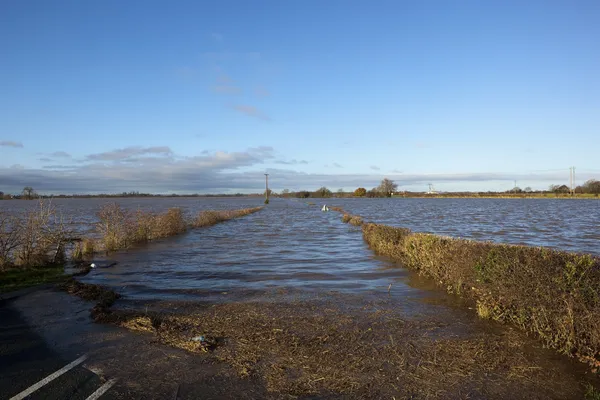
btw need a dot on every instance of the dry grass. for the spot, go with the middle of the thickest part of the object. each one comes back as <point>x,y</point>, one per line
<point>212,217</point>
<point>120,228</point>
<point>356,221</point>
<point>316,349</point>
<point>553,294</point>
<point>35,238</point>
<point>83,249</point>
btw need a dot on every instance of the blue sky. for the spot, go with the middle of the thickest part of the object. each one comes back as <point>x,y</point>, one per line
<point>191,96</point>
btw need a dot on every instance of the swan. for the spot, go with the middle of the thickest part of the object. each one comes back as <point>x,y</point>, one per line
<point>92,265</point>
<point>325,208</point>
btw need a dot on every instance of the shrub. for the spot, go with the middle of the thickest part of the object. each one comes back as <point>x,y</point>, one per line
<point>121,228</point>
<point>352,219</point>
<point>168,224</point>
<point>36,238</point>
<point>114,227</point>
<point>554,294</point>
<point>212,217</point>
<point>356,221</point>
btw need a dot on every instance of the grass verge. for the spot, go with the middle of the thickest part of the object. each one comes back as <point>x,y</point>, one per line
<point>552,294</point>
<point>15,279</point>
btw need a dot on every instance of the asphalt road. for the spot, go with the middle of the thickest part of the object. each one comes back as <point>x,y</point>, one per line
<point>26,359</point>
<point>44,330</point>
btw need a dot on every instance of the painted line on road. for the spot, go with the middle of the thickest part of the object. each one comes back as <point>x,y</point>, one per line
<point>102,389</point>
<point>48,379</point>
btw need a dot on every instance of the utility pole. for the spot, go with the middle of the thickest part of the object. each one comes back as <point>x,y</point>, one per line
<point>515,188</point>
<point>267,189</point>
<point>572,179</point>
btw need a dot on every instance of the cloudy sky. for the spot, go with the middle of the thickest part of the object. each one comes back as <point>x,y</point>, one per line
<point>189,96</point>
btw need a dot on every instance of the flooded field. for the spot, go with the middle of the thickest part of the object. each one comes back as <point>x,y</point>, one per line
<point>572,225</point>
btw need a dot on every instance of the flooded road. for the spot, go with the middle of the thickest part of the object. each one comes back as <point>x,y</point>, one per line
<point>572,225</point>
<point>288,245</point>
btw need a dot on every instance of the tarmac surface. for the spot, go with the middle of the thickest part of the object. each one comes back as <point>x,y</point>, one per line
<point>43,332</point>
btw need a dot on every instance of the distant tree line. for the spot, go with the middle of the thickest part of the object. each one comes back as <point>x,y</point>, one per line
<point>591,186</point>
<point>28,193</point>
<point>386,188</point>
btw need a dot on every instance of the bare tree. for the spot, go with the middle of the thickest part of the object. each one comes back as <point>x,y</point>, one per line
<point>323,192</point>
<point>28,192</point>
<point>387,187</point>
<point>10,235</point>
<point>592,186</point>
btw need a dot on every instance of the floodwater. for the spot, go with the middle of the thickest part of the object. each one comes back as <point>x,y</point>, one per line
<point>292,245</point>
<point>572,225</point>
<point>288,245</point>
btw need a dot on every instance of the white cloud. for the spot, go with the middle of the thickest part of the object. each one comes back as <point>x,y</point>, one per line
<point>159,170</point>
<point>128,152</point>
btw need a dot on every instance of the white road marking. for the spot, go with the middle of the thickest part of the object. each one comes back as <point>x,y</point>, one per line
<point>102,389</point>
<point>48,379</point>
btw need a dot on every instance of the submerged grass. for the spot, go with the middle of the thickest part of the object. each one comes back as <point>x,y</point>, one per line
<point>309,348</point>
<point>591,393</point>
<point>104,296</point>
<point>553,294</point>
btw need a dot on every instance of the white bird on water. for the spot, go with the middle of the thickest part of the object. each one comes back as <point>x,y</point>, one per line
<point>92,265</point>
<point>325,208</point>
